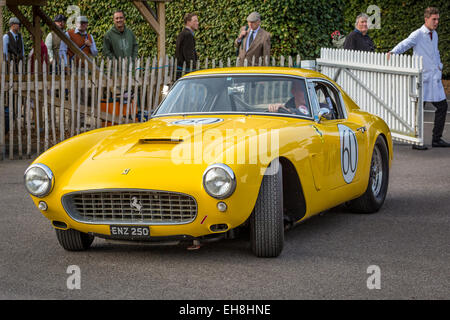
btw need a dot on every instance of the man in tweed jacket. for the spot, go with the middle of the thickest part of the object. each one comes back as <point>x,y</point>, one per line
<point>253,41</point>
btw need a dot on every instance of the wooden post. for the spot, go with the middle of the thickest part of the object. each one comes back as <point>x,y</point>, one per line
<point>11,110</point>
<point>52,102</point>
<point>100,92</point>
<point>2,4</point>
<point>37,38</point>
<point>93,87</point>
<point>45,106</point>
<point>2,110</point>
<point>28,113</point>
<point>156,21</point>
<point>150,88</point>
<point>162,29</point>
<point>36,109</point>
<point>122,87</point>
<point>72,98</point>
<point>62,96</point>
<point>144,88</point>
<point>20,108</point>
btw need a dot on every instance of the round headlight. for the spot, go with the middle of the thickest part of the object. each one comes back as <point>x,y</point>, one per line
<point>219,181</point>
<point>39,180</point>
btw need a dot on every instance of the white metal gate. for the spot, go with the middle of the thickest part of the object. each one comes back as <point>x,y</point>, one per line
<point>390,89</point>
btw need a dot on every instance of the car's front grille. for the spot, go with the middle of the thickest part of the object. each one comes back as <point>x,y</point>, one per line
<point>130,207</point>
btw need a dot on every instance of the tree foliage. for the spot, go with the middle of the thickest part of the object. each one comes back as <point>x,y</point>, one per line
<point>296,26</point>
<point>399,19</point>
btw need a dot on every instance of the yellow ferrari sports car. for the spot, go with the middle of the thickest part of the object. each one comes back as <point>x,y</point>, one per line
<point>260,148</point>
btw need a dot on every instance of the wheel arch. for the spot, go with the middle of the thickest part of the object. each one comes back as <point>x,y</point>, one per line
<point>382,135</point>
<point>294,201</point>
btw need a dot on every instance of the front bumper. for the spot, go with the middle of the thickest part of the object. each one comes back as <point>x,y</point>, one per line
<point>206,220</point>
<point>157,176</point>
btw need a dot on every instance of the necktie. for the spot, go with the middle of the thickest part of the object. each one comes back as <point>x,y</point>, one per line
<point>251,39</point>
<point>431,35</point>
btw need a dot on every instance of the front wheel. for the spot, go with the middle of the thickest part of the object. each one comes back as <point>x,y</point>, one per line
<point>266,221</point>
<point>73,240</point>
<point>372,200</point>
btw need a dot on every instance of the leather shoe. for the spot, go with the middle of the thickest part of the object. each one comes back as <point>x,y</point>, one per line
<point>440,144</point>
<point>418,147</point>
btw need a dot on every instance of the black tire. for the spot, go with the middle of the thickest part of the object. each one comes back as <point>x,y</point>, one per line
<point>266,221</point>
<point>73,240</point>
<point>372,200</point>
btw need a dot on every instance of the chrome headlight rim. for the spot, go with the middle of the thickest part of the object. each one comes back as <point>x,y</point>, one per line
<point>231,175</point>
<point>49,175</point>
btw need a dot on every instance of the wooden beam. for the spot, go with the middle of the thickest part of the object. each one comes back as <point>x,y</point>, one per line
<point>148,16</point>
<point>72,46</point>
<point>158,24</point>
<point>37,38</point>
<point>23,20</point>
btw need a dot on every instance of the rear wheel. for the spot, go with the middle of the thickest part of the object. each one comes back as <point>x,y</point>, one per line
<point>73,240</point>
<point>266,221</point>
<point>372,200</point>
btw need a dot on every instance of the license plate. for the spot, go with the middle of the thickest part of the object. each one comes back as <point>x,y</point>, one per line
<point>130,232</point>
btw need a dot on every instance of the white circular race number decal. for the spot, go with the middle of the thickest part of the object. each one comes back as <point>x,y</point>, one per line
<point>349,152</point>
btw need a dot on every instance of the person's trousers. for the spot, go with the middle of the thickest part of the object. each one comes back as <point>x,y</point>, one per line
<point>439,118</point>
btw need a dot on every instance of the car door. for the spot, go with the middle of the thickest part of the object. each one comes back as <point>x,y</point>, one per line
<point>344,141</point>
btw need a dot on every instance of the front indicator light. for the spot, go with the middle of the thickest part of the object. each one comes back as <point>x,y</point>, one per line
<point>222,206</point>
<point>43,206</point>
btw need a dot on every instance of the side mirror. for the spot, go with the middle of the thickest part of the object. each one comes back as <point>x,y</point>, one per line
<point>323,112</point>
<point>165,90</point>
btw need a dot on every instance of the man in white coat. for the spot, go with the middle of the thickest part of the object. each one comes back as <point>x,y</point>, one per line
<point>424,42</point>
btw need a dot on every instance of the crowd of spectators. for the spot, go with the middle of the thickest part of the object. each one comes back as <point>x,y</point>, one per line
<point>118,42</point>
<point>252,43</point>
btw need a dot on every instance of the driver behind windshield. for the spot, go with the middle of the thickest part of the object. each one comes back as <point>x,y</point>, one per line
<point>296,105</point>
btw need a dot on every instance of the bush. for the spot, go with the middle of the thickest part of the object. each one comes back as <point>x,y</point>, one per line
<point>296,26</point>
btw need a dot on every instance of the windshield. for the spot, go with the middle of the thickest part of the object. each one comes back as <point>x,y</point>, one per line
<point>238,94</point>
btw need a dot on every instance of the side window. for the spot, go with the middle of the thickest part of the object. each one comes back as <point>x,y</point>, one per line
<point>328,97</point>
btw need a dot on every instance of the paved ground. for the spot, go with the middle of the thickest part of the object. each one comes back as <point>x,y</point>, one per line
<point>326,257</point>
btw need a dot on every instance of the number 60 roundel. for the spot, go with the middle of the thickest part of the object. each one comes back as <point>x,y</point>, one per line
<point>349,152</point>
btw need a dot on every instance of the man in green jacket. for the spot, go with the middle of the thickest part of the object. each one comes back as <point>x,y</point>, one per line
<point>119,41</point>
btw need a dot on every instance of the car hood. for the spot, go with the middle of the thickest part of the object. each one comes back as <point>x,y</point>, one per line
<point>185,138</point>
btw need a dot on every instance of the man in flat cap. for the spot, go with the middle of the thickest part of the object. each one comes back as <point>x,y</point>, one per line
<point>253,41</point>
<point>53,42</point>
<point>13,48</point>
<point>82,39</point>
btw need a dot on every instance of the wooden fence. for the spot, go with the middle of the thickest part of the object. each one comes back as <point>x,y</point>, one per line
<point>39,110</point>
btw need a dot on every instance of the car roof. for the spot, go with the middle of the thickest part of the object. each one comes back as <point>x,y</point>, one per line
<point>260,70</point>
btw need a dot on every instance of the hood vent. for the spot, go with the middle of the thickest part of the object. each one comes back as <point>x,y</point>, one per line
<point>160,140</point>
